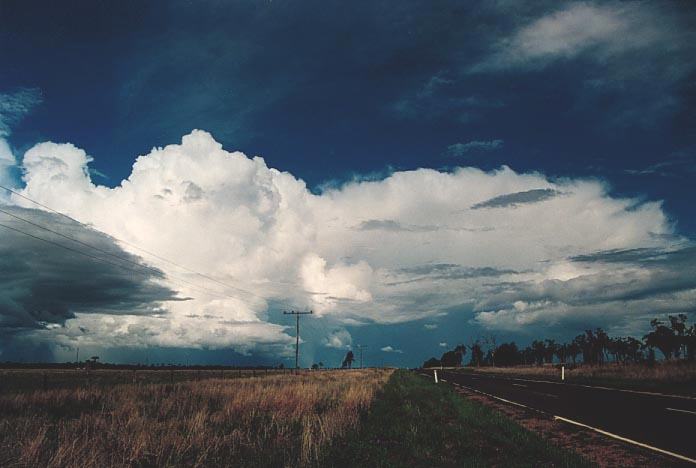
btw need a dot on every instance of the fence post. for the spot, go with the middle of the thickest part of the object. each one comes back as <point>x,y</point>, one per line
<point>562,373</point>
<point>435,374</point>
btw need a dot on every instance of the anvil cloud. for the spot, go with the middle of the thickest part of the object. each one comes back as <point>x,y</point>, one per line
<point>415,245</point>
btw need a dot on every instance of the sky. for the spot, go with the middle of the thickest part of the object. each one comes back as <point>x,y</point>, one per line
<point>419,174</point>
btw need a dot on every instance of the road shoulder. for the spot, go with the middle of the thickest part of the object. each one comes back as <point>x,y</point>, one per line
<point>599,449</point>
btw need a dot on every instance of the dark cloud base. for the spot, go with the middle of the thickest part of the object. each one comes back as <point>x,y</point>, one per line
<point>43,284</point>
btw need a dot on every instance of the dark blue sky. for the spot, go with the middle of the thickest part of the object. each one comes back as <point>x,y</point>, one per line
<point>328,90</point>
<point>335,91</point>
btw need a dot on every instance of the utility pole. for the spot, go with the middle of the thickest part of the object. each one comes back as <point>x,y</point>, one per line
<point>297,334</point>
<point>361,347</point>
<point>77,355</point>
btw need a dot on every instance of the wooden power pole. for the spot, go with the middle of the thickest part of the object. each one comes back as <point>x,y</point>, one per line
<point>297,334</point>
<point>360,348</point>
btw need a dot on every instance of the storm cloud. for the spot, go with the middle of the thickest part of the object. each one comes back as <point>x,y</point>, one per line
<point>46,282</point>
<point>518,198</point>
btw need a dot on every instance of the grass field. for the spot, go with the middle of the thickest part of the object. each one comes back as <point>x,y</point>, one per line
<point>417,423</point>
<point>675,376</point>
<point>279,420</point>
<point>23,380</point>
<point>365,417</point>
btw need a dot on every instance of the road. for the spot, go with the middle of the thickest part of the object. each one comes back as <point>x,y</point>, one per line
<point>660,421</point>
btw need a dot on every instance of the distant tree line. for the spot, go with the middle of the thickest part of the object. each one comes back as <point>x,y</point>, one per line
<point>675,339</point>
<point>95,364</point>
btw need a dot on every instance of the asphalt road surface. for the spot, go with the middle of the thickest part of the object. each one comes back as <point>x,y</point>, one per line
<point>661,421</point>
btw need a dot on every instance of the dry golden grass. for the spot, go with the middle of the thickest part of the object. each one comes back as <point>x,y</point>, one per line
<point>281,420</point>
<point>666,371</point>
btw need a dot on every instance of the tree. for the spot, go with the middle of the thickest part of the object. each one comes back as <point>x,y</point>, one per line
<point>632,349</point>
<point>348,360</point>
<point>490,341</point>
<point>679,328</point>
<point>507,354</point>
<point>432,362</point>
<point>453,358</point>
<point>551,349</point>
<point>573,350</point>
<point>476,354</point>
<point>315,366</point>
<point>539,349</point>
<point>562,352</point>
<point>528,356</point>
<point>662,338</point>
<point>592,346</point>
<point>690,343</point>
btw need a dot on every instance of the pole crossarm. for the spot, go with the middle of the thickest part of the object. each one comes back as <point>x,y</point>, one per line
<point>297,315</point>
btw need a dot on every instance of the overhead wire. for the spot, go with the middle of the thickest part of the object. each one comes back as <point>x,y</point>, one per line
<point>110,254</point>
<point>120,265</point>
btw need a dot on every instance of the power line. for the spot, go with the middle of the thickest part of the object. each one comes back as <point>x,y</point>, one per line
<point>297,335</point>
<point>119,265</point>
<point>240,290</point>
<point>105,252</point>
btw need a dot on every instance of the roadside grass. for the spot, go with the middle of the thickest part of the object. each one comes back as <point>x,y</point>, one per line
<point>669,377</point>
<point>275,420</point>
<point>414,422</point>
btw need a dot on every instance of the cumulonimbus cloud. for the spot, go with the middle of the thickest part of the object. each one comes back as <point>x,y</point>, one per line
<point>266,239</point>
<point>53,268</point>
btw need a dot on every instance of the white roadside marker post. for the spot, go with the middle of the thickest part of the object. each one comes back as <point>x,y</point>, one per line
<point>562,373</point>
<point>435,373</point>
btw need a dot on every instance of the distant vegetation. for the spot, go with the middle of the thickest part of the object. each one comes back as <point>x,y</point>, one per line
<point>674,339</point>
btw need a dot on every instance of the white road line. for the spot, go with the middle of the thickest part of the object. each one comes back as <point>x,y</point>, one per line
<point>545,394</point>
<point>519,385</point>
<point>443,380</point>
<point>640,392</point>
<point>503,399</point>
<point>681,410</point>
<point>630,441</point>
<point>609,434</point>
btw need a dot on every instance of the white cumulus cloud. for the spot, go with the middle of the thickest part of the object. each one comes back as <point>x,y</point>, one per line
<point>265,235</point>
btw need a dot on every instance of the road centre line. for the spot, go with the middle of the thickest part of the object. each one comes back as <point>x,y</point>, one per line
<point>600,431</point>
<point>641,392</point>
<point>681,410</point>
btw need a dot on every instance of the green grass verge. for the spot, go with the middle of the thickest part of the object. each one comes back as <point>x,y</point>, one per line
<point>417,423</point>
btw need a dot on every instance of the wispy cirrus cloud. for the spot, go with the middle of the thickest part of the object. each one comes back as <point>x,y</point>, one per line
<point>599,29</point>
<point>473,147</point>
<point>13,108</point>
